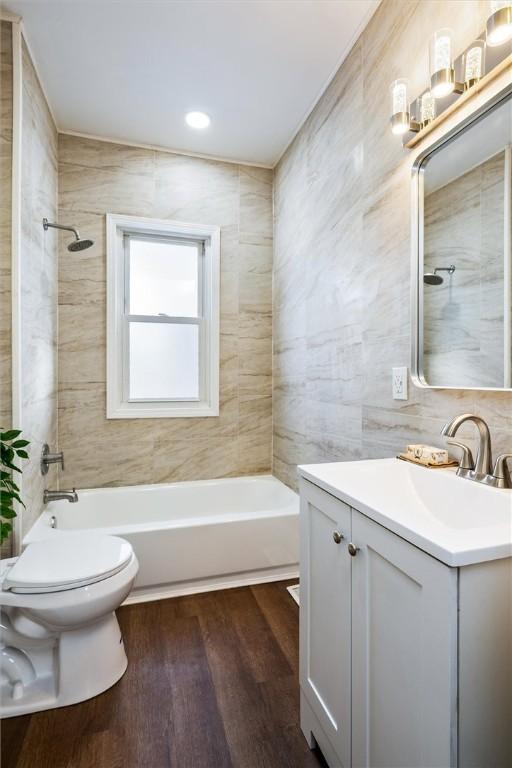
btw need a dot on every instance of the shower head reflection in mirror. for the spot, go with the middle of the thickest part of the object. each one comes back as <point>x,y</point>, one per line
<point>433,278</point>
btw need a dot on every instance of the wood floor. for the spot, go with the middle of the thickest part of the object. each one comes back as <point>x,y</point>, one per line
<point>211,683</point>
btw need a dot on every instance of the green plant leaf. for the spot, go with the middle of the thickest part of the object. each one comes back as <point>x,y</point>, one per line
<point>16,496</point>
<point>9,482</point>
<point>12,466</point>
<point>11,434</point>
<point>5,530</point>
<point>10,447</point>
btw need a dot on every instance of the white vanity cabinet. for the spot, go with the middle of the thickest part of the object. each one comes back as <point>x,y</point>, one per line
<point>387,678</point>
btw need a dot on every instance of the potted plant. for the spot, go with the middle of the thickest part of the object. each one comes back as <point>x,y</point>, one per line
<point>11,448</point>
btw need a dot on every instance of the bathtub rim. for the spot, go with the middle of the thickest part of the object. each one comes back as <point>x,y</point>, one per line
<point>41,528</point>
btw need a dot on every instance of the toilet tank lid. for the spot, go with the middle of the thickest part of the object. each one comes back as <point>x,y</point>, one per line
<point>66,561</point>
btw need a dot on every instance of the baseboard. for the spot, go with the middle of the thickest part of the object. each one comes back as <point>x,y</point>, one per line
<point>230,581</point>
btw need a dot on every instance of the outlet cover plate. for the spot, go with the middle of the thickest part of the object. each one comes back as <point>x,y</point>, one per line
<point>399,376</point>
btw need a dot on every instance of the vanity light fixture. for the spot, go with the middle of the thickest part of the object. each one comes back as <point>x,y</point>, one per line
<point>197,120</point>
<point>499,23</point>
<point>473,64</point>
<point>416,115</point>
<point>442,72</point>
<point>400,116</point>
<point>427,108</point>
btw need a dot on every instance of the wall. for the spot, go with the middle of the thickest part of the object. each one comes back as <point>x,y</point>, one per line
<point>464,326</point>
<point>98,177</point>
<point>342,259</point>
<point>5,220</point>
<point>38,265</point>
<point>6,133</point>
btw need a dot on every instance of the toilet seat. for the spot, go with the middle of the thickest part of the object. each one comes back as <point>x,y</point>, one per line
<point>69,561</point>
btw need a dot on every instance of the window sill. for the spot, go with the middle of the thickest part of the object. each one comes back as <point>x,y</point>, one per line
<point>157,411</point>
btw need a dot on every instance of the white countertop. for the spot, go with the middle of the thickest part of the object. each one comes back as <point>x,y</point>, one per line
<point>458,521</point>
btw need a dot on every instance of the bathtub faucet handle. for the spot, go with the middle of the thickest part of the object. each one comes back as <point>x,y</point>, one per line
<point>48,458</point>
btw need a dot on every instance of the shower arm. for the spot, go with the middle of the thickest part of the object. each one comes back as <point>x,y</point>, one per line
<point>47,224</point>
<point>450,269</point>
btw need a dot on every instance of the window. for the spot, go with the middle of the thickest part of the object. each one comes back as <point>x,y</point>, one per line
<point>162,318</point>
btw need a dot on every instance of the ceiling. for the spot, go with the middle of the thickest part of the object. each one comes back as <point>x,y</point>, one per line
<point>131,69</point>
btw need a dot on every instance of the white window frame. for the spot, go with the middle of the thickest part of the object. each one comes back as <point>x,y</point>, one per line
<point>119,405</point>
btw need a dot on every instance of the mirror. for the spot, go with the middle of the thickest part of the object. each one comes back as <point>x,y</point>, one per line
<point>462,255</point>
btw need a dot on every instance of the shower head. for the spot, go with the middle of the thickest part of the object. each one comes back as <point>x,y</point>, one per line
<point>432,278</point>
<point>78,243</point>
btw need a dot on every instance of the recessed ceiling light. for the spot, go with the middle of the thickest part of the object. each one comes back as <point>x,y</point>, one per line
<point>198,120</point>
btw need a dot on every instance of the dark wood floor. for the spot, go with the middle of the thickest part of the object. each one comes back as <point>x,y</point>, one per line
<point>211,683</point>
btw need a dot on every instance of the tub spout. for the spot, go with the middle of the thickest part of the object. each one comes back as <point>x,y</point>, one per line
<point>58,495</point>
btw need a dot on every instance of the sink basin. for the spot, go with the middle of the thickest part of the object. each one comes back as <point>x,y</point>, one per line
<point>456,520</point>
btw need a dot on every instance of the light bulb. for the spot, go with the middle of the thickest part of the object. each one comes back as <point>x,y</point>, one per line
<point>442,52</point>
<point>441,90</point>
<point>400,119</point>
<point>400,128</point>
<point>428,108</point>
<point>499,23</point>
<point>399,96</point>
<point>442,75</point>
<point>473,63</point>
<point>197,120</point>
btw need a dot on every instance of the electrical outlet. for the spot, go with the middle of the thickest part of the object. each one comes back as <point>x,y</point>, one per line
<point>399,383</point>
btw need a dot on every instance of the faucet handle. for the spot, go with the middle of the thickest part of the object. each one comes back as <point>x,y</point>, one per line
<point>47,458</point>
<point>467,461</point>
<point>501,471</point>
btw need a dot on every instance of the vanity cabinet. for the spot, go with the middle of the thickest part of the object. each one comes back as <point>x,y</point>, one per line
<point>325,634</point>
<point>383,663</point>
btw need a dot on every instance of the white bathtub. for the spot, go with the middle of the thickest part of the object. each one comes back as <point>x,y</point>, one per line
<point>194,536</point>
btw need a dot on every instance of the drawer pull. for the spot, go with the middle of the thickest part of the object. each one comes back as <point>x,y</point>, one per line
<point>352,549</point>
<point>338,537</point>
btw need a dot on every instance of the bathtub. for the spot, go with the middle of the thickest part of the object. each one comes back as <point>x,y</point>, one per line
<point>191,536</point>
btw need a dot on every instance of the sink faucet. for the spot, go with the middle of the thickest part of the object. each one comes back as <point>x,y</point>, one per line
<point>481,470</point>
<point>483,458</point>
<point>58,495</point>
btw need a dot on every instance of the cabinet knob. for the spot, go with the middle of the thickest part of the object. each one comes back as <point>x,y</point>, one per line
<point>338,537</point>
<point>352,549</point>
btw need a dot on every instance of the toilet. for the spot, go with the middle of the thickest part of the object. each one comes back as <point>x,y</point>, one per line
<point>60,642</point>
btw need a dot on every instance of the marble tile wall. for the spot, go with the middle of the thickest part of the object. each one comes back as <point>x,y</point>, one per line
<point>98,177</point>
<point>341,306</point>
<point>39,262</point>
<point>463,326</point>
<point>5,220</point>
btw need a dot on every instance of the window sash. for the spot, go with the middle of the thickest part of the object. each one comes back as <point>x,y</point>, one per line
<point>148,238</point>
<point>199,320</point>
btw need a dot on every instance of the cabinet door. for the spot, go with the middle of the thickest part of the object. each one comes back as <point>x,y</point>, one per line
<point>325,585</point>
<point>404,653</point>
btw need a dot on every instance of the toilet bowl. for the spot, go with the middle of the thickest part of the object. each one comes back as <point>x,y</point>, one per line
<point>60,641</point>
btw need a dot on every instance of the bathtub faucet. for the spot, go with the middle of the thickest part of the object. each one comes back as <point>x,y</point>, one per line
<point>58,495</point>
